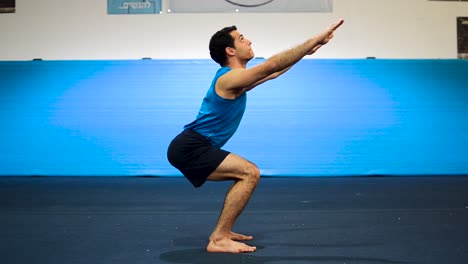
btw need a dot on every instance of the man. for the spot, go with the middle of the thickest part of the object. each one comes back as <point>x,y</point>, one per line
<point>197,152</point>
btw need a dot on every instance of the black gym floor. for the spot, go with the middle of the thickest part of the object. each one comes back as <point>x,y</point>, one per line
<point>294,220</point>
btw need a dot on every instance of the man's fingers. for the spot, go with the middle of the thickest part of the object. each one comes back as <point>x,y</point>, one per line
<point>328,34</point>
<point>337,24</point>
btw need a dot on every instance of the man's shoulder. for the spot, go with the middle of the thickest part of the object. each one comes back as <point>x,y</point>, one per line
<point>223,80</point>
<point>222,71</point>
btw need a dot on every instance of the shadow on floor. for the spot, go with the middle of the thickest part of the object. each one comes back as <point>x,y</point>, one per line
<point>200,256</point>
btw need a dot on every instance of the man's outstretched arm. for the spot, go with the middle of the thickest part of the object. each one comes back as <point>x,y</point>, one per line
<point>277,64</point>
<point>277,74</point>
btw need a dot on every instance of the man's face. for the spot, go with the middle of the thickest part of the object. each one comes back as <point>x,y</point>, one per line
<point>242,46</point>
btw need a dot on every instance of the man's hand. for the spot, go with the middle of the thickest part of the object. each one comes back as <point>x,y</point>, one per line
<point>324,37</point>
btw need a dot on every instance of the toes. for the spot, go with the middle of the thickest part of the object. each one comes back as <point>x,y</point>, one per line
<point>250,250</point>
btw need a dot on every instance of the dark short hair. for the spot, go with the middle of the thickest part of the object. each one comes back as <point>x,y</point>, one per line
<point>219,42</point>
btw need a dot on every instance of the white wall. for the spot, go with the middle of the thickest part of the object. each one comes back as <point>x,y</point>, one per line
<point>71,29</point>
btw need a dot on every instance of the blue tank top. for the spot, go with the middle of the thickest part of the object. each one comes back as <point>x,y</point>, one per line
<point>218,118</point>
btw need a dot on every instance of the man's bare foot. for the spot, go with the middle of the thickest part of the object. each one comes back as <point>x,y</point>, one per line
<point>228,246</point>
<point>240,237</point>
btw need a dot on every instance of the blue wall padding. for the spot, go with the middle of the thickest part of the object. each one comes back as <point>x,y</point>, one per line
<point>322,118</point>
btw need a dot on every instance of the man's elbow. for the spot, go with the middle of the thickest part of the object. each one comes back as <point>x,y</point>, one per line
<point>271,67</point>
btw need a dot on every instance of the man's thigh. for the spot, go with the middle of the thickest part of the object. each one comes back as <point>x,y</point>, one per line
<point>233,167</point>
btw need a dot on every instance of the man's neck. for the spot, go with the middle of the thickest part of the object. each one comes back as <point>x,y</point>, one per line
<point>235,64</point>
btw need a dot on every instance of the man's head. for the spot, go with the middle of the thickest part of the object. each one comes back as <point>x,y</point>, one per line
<point>225,42</point>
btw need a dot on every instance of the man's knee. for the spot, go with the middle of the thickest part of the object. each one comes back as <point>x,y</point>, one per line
<point>253,173</point>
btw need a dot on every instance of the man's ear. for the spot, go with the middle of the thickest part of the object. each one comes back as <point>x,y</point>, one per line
<point>230,51</point>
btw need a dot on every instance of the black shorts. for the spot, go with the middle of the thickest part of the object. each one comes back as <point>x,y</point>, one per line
<point>194,156</point>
